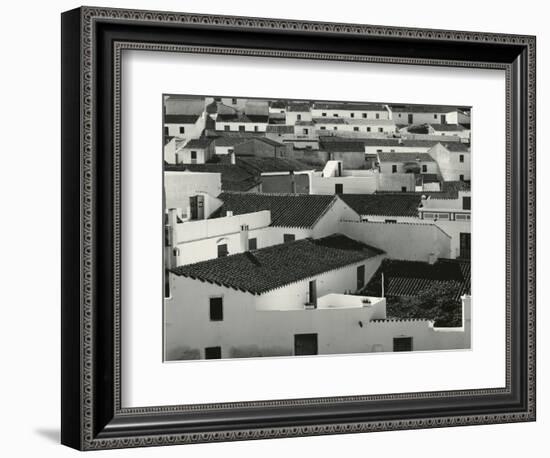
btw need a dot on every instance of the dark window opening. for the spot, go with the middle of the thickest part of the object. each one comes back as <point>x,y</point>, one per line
<point>213,353</point>
<point>466,203</point>
<point>193,155</point>
<point>356,129</point>
<point>394,169</point>
<point>461,158</point>
<point>424,168</point>
<point>222,250</point>
<point>339,188</point>
<point>305,344</point>
<point>287,238</point>
<point>166,131</point>
<point>182,130</point>
<point>312,293</point>
<point>360,277</point>
<point>402,344</point>
<point>403,189</point>
<point>216,309</point>
<point>241,128</point>
<point>253,244</point>
<point>391,221</point>
<point>226,128</point>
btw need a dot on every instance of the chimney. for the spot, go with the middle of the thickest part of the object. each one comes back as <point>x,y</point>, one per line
<point>232,158</point>
<point>432,258</point>
<point>229,213</point>
<point>244,237</point>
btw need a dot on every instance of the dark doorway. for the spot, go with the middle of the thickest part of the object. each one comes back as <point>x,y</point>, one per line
<point>339,188</point>
<point>360,277</point>
<point>410,120</point>
<point>402,344</point>
<point>465,245</point>
<point>213,353</point>
<point>313,293</point>
<point>305,344</point>
<point>443,119</point>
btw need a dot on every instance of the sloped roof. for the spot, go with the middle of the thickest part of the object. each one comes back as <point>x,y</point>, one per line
<point>287,210</point>
<point>259,271</point>
<point>410,278</point>
<point>201,142</point>
<point>405,204</point>
<point>280,128</point>
<point>271,164</point>
<point>380,141</point>
<point>241,117</point>
<point>405,157</point>
<point>411,108</point>
<point>231,140</point>
<point>351,106</point>
<point>344,147</point>
<point>298,107</point>
<point>180,119</point>
<point>449,190</point>
<point>329,120</point>
<point>456,147</point>
<point>447,127</point>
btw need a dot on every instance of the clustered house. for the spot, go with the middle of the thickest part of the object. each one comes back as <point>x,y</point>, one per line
<point>299,227</point>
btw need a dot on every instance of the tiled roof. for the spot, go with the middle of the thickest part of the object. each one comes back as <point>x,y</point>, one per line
<point>298,107</point>
<point>180,119</point>
<point>405,204</point>
<point>447,127</point>
<point>234,178</point>
<point>230,141</point>
<point>280,129</point>
<point>370,122</point>
<point>329,120</point>
<point>277,104</point>
<point>449,190</point>
<point>418,129</point>
<point>405,157</point>
<point>201,142</point>
<point>456,147</point>
<point>429,177</point>
<point>410,278</point>
<point>305,123</point>
<point>380,141</point>
<point>258,165</point>
<point>419,143</point>
<point>263,270</point>
<point>344,147</point>
<point>351,106</point>
<point>287,210</point>
<point>425,108</point>
<point>240,117</point>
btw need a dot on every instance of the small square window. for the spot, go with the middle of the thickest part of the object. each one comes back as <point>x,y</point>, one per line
<point>234,101</point>
<point>364,115</point>
<point>323,114</point>
<point>424,168</point>
<point>394,168</point>
<point>352,115</point>
<point>299,117</point>
<point>193,155</point>
<point>323,128</point>
<point>368,129</point>
<point>335,115</point>
<point>306,131</point>
<point>461,177</point>
<point>241,128</point>
<point>377,115</point>
<point>255,128</point>
<point>226,128</point>
<point>335,128</point>
<point>356,129</point>
<point>435,116</point>
<point>253,244</point>
<point>380,129</point>
<point>287,238</point>
<point>166,130</point>
<point>461,158</point>
<point>182,130</point>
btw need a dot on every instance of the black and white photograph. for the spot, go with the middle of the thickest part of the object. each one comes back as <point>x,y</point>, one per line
<point>314,227</point>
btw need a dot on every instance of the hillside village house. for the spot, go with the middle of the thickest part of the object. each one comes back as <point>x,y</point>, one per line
<point>351,154</point>
<point>416,163</point>
<point>422,114</point>
<point>367,111</point>
<point>181,186</point>
<point>450,130</point>
<point>291,299</point>
<point>297,112</point>
<point>241,122</point>
<point>184,127</point>
<point>453,161</point>
<point>196,151</point>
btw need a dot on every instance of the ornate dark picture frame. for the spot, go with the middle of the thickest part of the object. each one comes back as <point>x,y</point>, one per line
<point>92,42</point>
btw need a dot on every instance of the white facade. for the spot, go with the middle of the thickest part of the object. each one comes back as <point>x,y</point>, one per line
<point>240,126</point>
<point>186,131</point>
<point>256,326</point>
<point>350,113</point>
<point>412,116</point>
<point>400,167</point>
<point>292,117</point>
<point>463,134</point>
<point>453,166</point>
<point>179,186</point>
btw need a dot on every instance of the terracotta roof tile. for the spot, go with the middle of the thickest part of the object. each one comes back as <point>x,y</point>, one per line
<point>384,204</point>
<point>262,270</point>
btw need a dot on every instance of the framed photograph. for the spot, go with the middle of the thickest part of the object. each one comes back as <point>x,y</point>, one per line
<point>278,228</point>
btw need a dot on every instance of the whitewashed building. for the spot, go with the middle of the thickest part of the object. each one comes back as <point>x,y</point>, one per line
<point>184,127</point>
<point>366,111</point>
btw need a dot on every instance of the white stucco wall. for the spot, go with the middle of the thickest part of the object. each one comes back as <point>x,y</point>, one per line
<point>179,186</point>
<point>357,114</point>
<point>449,163</point>
<point>407,241</point>
<point>248,126</point>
